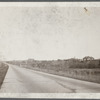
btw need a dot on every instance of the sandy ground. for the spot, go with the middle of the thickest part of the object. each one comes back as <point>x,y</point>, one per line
<point>22,80</point>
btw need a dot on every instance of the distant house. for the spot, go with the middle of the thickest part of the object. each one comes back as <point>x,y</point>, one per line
<point>91,60</point>
<point>96,61</point>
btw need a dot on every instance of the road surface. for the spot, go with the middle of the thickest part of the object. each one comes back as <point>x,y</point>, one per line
<point>22,80</point>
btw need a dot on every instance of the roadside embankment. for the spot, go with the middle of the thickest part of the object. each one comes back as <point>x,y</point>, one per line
<point>3,71</point>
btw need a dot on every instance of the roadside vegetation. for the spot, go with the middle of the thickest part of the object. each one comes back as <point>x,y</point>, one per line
<point>87,69</point>
<point>3,71</point>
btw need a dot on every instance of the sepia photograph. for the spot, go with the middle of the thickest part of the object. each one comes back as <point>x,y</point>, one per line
<point>50,49</point>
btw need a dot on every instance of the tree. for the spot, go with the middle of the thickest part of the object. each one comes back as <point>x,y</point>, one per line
<point>88,58</point>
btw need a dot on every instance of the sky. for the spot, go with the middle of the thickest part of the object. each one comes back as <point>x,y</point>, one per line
<point>48,33</point>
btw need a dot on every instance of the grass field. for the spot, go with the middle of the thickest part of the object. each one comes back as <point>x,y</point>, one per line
<point>3,71</point>
<point>92,75</point>
<point>73,68</point>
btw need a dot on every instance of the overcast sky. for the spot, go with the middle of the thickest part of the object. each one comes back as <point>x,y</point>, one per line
<point>49,32</point>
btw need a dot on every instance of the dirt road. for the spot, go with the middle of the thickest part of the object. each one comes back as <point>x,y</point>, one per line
<point>22,80</point>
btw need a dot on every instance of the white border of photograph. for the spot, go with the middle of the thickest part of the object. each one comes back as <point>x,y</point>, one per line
<point>50,95</point>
